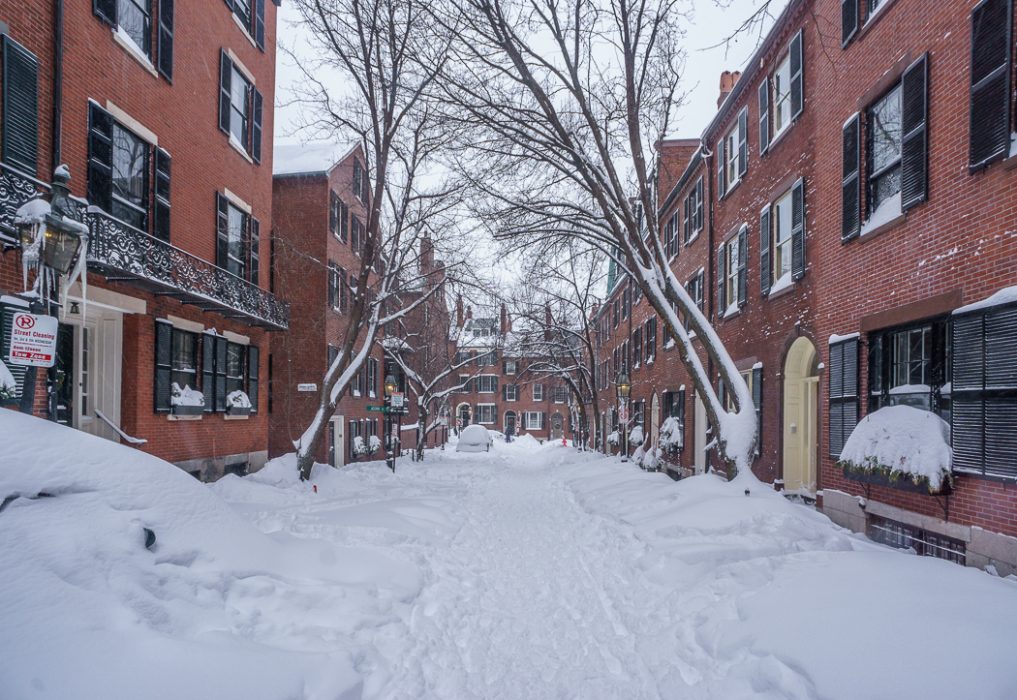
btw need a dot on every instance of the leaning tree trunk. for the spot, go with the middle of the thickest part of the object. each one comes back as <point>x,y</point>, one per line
<point>421,431</point>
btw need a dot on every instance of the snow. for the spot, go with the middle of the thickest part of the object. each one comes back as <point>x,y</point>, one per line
<point>7,383</point>
<point>731,309</point>
<point>239,399</point>
<point>529,572</point>
<point>374,443</point>
<point>757,365</point>
<point>671,434</point>
<point>902,440</point>
<point>835,338</point>
<point>1006,295</point>
<point>307,158</point>
<point>32,212</point>
<point>636,435</point>
<point>888,210</point>
<point>1013,145</point>
<point>186,396</point>
<point>910,389</point>
<point>782,283</point>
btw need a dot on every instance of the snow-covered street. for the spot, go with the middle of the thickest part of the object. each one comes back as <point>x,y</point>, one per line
<point>529,572</point>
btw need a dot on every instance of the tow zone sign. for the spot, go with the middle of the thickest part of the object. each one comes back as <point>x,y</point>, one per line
<point>33,340</point>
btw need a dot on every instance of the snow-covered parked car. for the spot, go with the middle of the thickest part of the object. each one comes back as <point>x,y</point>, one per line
<point>474,438</point>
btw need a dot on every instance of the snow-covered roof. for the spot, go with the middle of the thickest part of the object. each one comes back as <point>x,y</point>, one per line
<point>308,158</point>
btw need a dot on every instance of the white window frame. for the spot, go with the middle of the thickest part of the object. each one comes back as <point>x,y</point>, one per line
<point>731,146</point>
<point>481,379</point>
<point>533,420</point>
<point>510,367</point>
<point>511,392</point>
<point>781,77</point>
<point>732,263</point>
<point>479,410</point>
<point>538,392</point>
<point>781,247</point>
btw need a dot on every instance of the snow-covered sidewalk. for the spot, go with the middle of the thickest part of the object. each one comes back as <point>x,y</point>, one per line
<point>529,572</point>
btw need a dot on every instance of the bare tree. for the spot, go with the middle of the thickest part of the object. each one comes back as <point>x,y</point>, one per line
<point>385,56</point>
<point>560,106</point>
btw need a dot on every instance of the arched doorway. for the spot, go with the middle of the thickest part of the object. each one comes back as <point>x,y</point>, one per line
<point>801,397</point>
<point>654,420</point>
<point>557,426</point>
<point>463,414</point>
<point>510,423</point>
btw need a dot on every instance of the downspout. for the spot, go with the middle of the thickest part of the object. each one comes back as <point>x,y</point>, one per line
<point>58,78</point>
<point>711,267</point>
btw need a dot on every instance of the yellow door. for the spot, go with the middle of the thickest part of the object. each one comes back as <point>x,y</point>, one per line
<point>801,381</point>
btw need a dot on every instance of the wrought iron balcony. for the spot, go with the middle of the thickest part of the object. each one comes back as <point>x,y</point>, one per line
<point>124,253</point>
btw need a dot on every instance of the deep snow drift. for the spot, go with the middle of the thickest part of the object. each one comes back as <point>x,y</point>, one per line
<point>529,572</point>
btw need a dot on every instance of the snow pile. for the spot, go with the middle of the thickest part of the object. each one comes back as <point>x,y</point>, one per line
<point>672,437</point>
<point>186,396</point>
<point>901,441</point>
<point>374,443</point>
<point>613,438</point>
<point>359,448</point>
<point>636,436</point>
<point>8,386</point>
<point>238,399</point>
<point>89,612</point>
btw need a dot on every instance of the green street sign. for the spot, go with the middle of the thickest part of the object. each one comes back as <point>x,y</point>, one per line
<point>376,409</point>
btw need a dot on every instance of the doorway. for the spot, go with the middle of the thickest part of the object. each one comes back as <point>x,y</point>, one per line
<point>337,441</point>
<point>557,426</point>
<point>699,438</point>
<point>89,370</point>
<point>510,423</point>
<point>801,389</point>
<point>654,420</point>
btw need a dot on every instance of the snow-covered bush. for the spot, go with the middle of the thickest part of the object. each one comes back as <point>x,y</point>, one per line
<point>373,444</point>
<point>672,437</point>
<point>638,455</point>
<point>636,436</point>
<point>901,442</point>
<point>651,460</point>
<point>238,399</point>
<point>359,447</point>
<point>186,396</point>
<point>8,387</point>
<point>613,439</point>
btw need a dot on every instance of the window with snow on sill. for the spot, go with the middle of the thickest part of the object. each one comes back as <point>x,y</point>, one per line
<point>903,442</point>
<point>731,310</point>
<point>782,283</point>
<point>186,396</point>
<point>888,210</point>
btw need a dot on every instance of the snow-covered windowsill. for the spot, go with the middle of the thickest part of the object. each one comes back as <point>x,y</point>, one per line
<point>871,20</point>
<point>239,148</point>
<point>1010,162</point>
<point>183,416</point>
<point>887,215</point>
<point>127,43</point>
<point>227,416</point>
<point>784,284</point>
<point>731,311</point>
<point>244,30</point>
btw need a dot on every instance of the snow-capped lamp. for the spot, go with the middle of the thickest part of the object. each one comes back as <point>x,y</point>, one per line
<point>624,386</point>
<point>52,227</point>
<point>390,385</point>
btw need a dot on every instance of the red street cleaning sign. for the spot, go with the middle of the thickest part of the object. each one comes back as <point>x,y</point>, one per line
<point>33,340</point>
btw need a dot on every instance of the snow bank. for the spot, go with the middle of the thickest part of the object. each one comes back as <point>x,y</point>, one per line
<point>901,440</point>
<point>216,606</point>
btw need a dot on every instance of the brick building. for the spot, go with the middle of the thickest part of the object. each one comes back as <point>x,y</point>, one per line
<point>321,197</point>
<point>160,110</point>
<point>840,218</point>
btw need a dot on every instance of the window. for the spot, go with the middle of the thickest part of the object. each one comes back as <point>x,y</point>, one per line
<point>251,16</point>
<point>671,236</point>
<point>732,273</point>
<point>534,420</point>
<point>184,359</point>
<point>336,217</point>
<point>560,394</point>
<point>538,392</point>
<point>511,392</point>
<point>240,108</point>
<point>119,163</point>
<point>510,366</point>
<point>990,116</point>
<point>486,414</point>
<point>694,212</point>
<point>896,164</point>
<point>134,18</point>
<point>132,24</point>
<point>464,382</point>
<point>695,287</point>
<point>225,367</point>
<point>235,371</point>
<point>334,286</point>
<point>237,240</point>
<point>626,301</point>
<point>782,237</point>
<point>637,347</point>
<point>236,257</point>
<point>781,95</point>
<point>843,414</point>
<point>19,130</point>
<point>487,383</point>
<point>782,240</point>
<point>733,154</point>
<point>357,383</point>
<point>356,233</point>
<point>651,340</point>
<point>984,394</point>
<point>487,359</point>
<point>614,313</point>
<point>923,542</point>
<point>908,366</point>
<point>359,181</point>
<point>372,377</point>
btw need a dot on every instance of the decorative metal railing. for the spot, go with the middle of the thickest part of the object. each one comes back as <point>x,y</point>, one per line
<point>120,251</point>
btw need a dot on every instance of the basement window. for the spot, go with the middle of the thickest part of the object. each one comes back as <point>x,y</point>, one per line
<point>921,542</point>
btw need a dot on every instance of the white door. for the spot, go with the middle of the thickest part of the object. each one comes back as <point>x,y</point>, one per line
<point>654,420</point>
<point>98,344</point>
<point>338,441</point>
<point>699,443</point>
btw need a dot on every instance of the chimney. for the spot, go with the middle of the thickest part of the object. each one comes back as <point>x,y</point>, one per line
<point>673,155</point>
<point>727,83</point>
<point>548,322</point>
<point>504,327</point>
<point>459,310</point>
<point>469,313</point>
<point>426,256</point>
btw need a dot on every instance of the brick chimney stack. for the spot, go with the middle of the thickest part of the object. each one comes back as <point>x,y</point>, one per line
<point>504,326</point>
<point>548,322</point>
<point>426,256</point>
<point>727,83</point>
<point>460,320</point>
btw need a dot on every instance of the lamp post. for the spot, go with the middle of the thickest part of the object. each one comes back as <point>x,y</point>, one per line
<point>51,241</point>
<point>390,389</point>
<point>624,388</point>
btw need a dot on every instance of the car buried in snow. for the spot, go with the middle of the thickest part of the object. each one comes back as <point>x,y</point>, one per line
<point>474,438</point>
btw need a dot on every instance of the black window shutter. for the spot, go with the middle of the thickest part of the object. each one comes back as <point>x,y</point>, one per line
<point>743,141</point>
<point>163,364</point>
<point>1001,403</point>
<point>100,157</point>
<point>344,222</point>
<point>259,23</point>
<point>220,374</point>
<point>843,414</point>
<point>914,117</point>
<point>255,267</point>
<point>161,226</point>
<point>253,359</point>
<point>166,39</point>
<point>721,169</point>
<point>991,56</point>
<point>687,224</point>
<point>20,128</point>
<point>797,76</point>
<point>222,225</point>
<point>225,78</point>
<point>850,188</point>
<point>743,254</point>
<point>757,402</point>
<point>106,10</point>
<point>798,230</point>
<point>722,280</point>
<point>765,271</point>
<point>875,360</point>
<point>967,405</point>
<point>699,204</point>
<point>256,125</point>
<point>848,21</point>
<point>208,370</point>
<point>764,115</point>
<point>333,213</point>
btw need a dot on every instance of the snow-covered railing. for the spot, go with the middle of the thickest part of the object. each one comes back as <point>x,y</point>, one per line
<point>129,439</point>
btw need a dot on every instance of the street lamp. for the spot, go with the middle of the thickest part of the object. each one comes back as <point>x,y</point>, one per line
<point>624,388</point>
<point>62,236</point>
<point>390,385</point>
<point>390,389</point>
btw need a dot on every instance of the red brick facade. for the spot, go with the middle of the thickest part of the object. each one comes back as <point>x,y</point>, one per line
<point>953,248</point>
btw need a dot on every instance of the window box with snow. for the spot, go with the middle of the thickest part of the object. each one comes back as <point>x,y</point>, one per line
<point>901,447</point>
<point>238,403</point>
<point>185,401</point>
